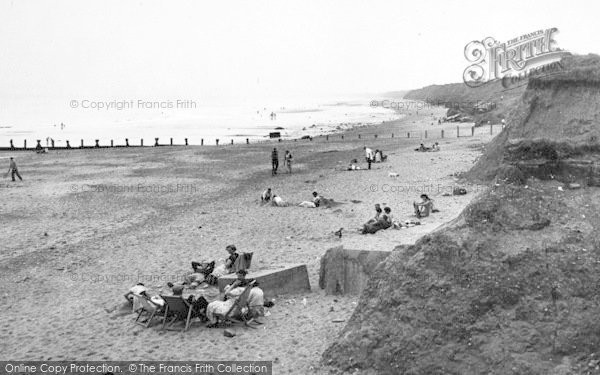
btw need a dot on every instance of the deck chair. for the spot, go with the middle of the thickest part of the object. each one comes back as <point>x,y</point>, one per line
<point>148,310</point>
<point>243,262</point>
<point>177,309</point>
<point>240,302</point>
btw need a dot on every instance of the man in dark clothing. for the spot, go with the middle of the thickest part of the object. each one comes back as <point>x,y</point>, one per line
<point>275,161</point>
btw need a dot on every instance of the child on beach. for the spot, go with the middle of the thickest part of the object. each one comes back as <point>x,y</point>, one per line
<point>288,161</point>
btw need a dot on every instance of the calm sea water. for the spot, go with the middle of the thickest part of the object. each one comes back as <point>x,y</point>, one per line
<point>135,119</point>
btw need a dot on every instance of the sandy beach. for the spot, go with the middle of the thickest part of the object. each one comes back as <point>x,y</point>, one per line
<point>86,225</point>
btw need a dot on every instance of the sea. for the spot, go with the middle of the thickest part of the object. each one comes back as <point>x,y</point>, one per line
<point>137,119</point>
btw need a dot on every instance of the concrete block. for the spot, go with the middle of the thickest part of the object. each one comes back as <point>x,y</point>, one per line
<point>345,271</point>
<point>289,278</point>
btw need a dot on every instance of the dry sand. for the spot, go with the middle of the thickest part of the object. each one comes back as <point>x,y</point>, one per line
<point>82,228</point>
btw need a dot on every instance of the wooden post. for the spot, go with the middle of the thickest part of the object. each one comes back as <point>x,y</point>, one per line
<point>111,143</point>
<point>442,133</point>
<point>472,131</point>
<point>457,132</point>
<point>82,143</point>
<point>155,142</point>
<point>171,143</point>
<point>142,142</point>
<point>491,130</point>
<point>25,144</point>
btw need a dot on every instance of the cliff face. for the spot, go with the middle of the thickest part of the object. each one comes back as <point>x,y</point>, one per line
<point>554,131</point>
<point>512,286</point>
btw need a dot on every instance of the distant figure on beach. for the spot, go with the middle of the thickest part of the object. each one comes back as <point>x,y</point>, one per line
<point>316,202</point>
<point>266,196</point>
<point>369,156</point>
<point>274,161</point>
<point>423,207</point>
<point>12,169</point>
<point>383,221</point>
<point>288,161</point>
<point>277,201</point>
<point>377,214</point>
<point>435,147</point>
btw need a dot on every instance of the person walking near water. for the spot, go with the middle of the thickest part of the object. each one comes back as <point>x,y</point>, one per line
<point>12,169</point>
<point>275,161</point>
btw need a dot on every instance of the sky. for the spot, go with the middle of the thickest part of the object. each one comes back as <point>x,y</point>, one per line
<point>232,50</point>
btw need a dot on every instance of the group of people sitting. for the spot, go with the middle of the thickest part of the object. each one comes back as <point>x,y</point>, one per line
<point>267,197</point>
<point>383,218</point>
<point>207,273</point>
<point>434,147</point>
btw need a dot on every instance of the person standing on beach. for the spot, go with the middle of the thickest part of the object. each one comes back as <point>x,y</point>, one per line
<point>275,161</point>
<point>288,161</point>
<point>369,155</point>
<point>12,168</point>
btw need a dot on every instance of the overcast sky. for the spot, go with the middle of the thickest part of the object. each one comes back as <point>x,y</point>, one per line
<point>236,49</point>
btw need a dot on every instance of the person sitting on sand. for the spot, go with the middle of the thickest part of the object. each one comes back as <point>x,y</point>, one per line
<point>277,201</point>
<point>423,207</point>
<point>422,148</point>
<point>377,156</point>
<point>316,202</point>
<point>266,195</point>
<point>435,147</point>
<point>387,218</point>
<point>377,214</point>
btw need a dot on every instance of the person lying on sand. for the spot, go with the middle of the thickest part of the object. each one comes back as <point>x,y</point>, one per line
<point>423,207</point>
<point>266,196</point>
<point>252,310</point>
<point>316,202</point>
<point>277,201</point>
<point>353,167</point>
